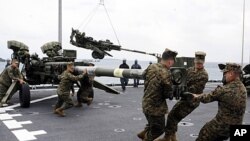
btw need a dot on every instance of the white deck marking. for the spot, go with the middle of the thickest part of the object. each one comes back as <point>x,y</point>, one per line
<point>21,134</point>
<point>13,124</point>
<point>25,135</point>
<point>3,110</point>
<point>7,116</point>
<point>33,101</point>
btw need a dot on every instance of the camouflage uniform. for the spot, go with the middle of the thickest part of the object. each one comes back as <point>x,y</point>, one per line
<point>86,90</point>
<point>63,90</point>
<point>231,108</point>
<point>7,76</point>
<point>196,81</point>
<point>158,86</point>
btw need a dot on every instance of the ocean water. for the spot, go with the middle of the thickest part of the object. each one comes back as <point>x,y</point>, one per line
<point>212,69</point>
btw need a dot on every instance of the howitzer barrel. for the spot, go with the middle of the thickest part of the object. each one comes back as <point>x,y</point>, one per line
<point>178,77</point>
<point>65,63</point>
<point>98,71</point>
<point>141,52</point>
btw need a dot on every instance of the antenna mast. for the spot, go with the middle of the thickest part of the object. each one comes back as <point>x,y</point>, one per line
<point>60,21</point>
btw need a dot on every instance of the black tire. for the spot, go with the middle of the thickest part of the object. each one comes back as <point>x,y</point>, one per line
<point>24,96</point>
<point>97,55</point>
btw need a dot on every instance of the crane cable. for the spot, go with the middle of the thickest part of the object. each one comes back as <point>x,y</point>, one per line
<point>92,14</point>
<point>111,24</point>
<point>89,17</point>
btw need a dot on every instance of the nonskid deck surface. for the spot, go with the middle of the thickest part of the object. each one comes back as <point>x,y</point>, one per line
<point>109,118</point>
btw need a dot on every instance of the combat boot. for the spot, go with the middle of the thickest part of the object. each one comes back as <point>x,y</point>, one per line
<point>142,134</point>
<point>78,104</point>
<point>165,138</point>
<point>173,137</point>
<point>60,112</point>
<point>54,110</point>
<point>145,136</point>
<point>89,101</point>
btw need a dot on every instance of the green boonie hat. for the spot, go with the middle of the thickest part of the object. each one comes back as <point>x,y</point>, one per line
<point>169,54</point>
<point>232,67</point>
<point>199,57</point>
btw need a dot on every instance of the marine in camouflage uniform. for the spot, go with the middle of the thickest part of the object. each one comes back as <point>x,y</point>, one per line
<point>10,74</point>
<point>231,99</point>
<point>85,93</point>
<point>197,78</point>
<point>158,87</point>
<point>63,91</point>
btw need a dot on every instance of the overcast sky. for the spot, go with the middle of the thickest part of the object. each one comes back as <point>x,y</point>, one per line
<point>212,26</point>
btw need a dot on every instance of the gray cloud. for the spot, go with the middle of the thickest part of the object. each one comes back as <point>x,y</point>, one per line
<point>213,26</point>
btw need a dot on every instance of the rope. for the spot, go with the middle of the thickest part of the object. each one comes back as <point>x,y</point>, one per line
<point>111,24</point>
<point>90,16</point>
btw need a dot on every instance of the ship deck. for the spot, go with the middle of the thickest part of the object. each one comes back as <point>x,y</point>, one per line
<point>109,118</point>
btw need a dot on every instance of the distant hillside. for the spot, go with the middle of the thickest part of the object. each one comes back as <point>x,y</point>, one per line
<point>2,60</point>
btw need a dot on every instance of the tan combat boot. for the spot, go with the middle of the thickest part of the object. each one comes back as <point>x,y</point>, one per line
<point>165,138</point>
<point>89,101</point>
<point>142,134</point>
<point>54,110</point>
<point>145,136</point>
<point>173,137</point>
<point>78,104</point>
<point>60,112</point>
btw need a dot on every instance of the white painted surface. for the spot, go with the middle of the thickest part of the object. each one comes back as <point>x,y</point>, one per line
<point>7,116</point>
<point>21,134</point>
<point>33,101</point>
<point>13,124</point>
<point>25,135</point>
<point>3,110</point>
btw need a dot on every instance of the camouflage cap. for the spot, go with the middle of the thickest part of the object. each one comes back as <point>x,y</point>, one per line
<point>199,57</point>
<point>169,54</point>
<point>232,67</point>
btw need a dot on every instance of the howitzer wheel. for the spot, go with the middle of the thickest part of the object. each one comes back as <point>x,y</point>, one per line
<point>97,55</point>
<point>24,96</point>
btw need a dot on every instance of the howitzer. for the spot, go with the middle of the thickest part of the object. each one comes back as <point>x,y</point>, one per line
<point>44,70</point>
<point>100,48</point>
